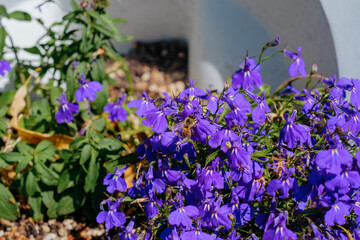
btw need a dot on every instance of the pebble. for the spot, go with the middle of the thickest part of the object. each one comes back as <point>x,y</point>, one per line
<point>50,236</point>
<point>62,232</point>
<point>2,233</point>
<point>45,228</point>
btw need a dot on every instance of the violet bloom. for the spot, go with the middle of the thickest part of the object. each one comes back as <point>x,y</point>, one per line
<point>156,118</point>
<point>293,132</point>
<point>248,77</point>
<point>4,66</point>
<point>298,66</point>
<point>355,93</point>
<point>218,216</point>
<point>284,184</point>
<point>309,100</point>
<point>239,106</point>
<point>151,208</point>
<point>209,177</point>
<point>258,113</point>
<point>192,91</point>
<point>87,89</point>
<point>278,230</point>
<point>196,234</point>
<point>181,216</point>
<point>343,182</point>
<point>333,159</point>
<point>214,104</point>
<point>115,181</point>
<point>112,217</point>
<point>337,214</point>
<point>66,110</point>
<point>127,233</point>
<point>117,112</point>
<point>143,106</point>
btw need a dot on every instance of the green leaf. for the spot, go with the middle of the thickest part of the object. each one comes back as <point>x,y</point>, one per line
<point>35,204</point>
<point>3,11</point>
<point>33,50</point>
<point>211,157</point>
<point>110,144</point>
<point>50,203</point>
<point>7,98</point>
<point>84,46</point>
<point>25,149</point>
<point>99,124</point>
<point>8,207</point>
<point>42,108</point>
<point>11,157</point>
<point>22,164</point>
<point>85,154</point>
<point>71,202</point>
<point>31,184</point>
<point>102,98</point>
<point>130,158</point>
<point>19,15</point>
<point>93,173</point>
<point>44,151</point>
<point>98,70</point>
<point>48,176</point>
<point>70,83</point>
<point>3,127</point>
<point>3,35</point>
<point>75,5</point>
<point>55,93</point>
<point>65,182</point>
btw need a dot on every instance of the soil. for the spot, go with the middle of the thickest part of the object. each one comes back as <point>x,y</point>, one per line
<point>154,67</point>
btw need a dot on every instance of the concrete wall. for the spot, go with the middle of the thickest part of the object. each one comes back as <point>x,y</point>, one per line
<point>219,32</point>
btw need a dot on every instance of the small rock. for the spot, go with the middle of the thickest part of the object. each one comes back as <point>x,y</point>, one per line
<point>146,76</point>
<point>50,236</point>
<point>62,232</point>
<point>45,228</point>
<point>153,88</point>
<point>2,233</point>
<point>52,222</point>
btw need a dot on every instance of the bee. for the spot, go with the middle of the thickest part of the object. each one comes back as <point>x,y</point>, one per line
<point>186,130</point>
<point>189,123</point>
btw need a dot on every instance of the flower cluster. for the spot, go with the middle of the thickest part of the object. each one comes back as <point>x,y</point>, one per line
<point>87,92</point>
<point>239,165</point>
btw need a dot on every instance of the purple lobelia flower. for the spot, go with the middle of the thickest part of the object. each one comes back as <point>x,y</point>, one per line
<point>298,66</point>
<point>117,112</point>
<point>87,89</point>
<point>337,214</point>
<point>192,91</point>
<point>293,132</point>
<point>112,217</point>
<point>181,216</point>
<point>127,233</point>
<point>196,234</point>
<point>333,159</point>
<point>66,110</point>
<point>151,208</point>
<point>218,215</point>
<point>355,93</point>
<point>284,184</point>
<point>258,113</point>
<point>4,67</point>
<point>143,106</point>
<point>115,181</point>
<point>278,231</point>
<point>209,177</point>
<point>343,181</point>
<point>248,77</point>
<point>214,104</point>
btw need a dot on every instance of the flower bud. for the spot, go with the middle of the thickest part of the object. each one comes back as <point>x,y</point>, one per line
<point>314,69</point>
<point>227,85</point>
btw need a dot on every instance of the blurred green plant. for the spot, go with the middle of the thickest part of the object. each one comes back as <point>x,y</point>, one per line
<point>59,181</point>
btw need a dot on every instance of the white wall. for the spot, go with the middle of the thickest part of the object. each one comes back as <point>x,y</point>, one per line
<point>220,31</point>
